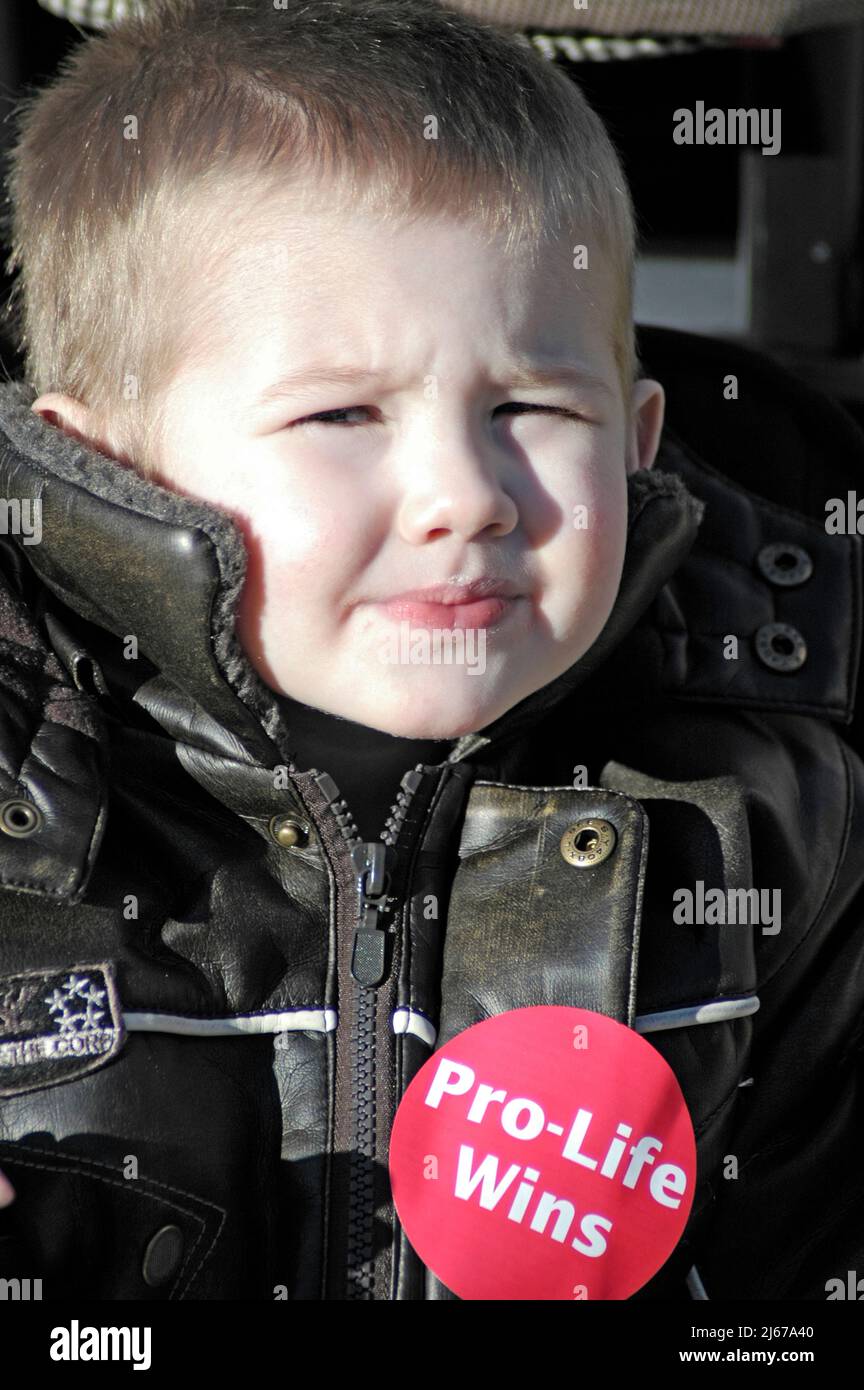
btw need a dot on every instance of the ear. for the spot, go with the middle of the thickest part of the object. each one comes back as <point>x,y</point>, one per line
<point>647,411</point>
<point>65,412</point>
<point>76,419</point>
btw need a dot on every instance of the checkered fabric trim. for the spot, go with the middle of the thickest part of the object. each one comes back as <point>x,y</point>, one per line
<point>95,14</point>
<point>600,17</point>
<point>604,48</point>
<point>743,17</point>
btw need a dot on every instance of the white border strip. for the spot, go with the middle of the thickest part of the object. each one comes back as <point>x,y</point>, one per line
<point>293,1020</point>
<point>407,1021</point>
<point>402,1021</point>
<point>716,1011</point>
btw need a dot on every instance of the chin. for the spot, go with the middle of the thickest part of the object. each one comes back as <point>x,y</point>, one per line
<point>408,721</point>
<point>442,730</point>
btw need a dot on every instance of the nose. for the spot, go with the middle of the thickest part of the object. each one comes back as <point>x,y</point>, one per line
<point>452,488</point>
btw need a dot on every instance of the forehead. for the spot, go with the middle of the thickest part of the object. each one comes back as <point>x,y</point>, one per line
<point>299,269</point>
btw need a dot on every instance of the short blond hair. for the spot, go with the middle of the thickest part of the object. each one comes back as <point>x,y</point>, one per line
<point>147,122</point>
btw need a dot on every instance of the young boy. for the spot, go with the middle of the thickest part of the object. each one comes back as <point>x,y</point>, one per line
<point>343,461</point>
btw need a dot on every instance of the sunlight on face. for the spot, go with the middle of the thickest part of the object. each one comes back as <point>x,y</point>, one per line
<point>384,413</point>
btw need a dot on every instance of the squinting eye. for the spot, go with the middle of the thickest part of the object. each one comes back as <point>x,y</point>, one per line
<point>329,417</point>
<point>532,405</point>
<point>325,417</point>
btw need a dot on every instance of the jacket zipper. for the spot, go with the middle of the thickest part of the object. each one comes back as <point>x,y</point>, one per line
<point>373,862</point>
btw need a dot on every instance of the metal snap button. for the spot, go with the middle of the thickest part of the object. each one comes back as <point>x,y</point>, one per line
<point>588,842</point>
<point>784,564</point>
<point>162,1256</point>
<point>288,831</point>
<point>20,818</point>
<point>781,647</point>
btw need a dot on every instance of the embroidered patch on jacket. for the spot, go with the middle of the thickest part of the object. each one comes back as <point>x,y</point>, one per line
<point>57,1025</point>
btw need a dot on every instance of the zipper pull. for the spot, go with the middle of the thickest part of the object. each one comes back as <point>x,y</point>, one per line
<point>370,941</point>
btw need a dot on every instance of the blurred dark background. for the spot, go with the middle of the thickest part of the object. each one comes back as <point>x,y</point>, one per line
<point>765,250</point>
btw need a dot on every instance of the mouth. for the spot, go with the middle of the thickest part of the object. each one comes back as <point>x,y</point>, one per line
<point>480,604</point>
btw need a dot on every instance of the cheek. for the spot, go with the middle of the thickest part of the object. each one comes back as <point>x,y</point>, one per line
<point>313,519</point>
<point>587,558</point>
<point>299,541</point>
<point>580,471</point>
<point>606,535</point>
<point>596,514</point>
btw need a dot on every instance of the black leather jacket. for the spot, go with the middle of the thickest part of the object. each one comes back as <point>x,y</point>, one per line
<point>204,1130</point>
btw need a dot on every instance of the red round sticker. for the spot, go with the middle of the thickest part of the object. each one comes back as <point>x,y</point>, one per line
<point>545,1153</point>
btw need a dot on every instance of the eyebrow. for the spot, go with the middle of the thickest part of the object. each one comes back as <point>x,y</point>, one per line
<point>522,373</point>
<point>527,373</point>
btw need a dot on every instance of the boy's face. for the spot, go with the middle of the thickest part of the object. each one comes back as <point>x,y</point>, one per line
<point>408,450</point>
